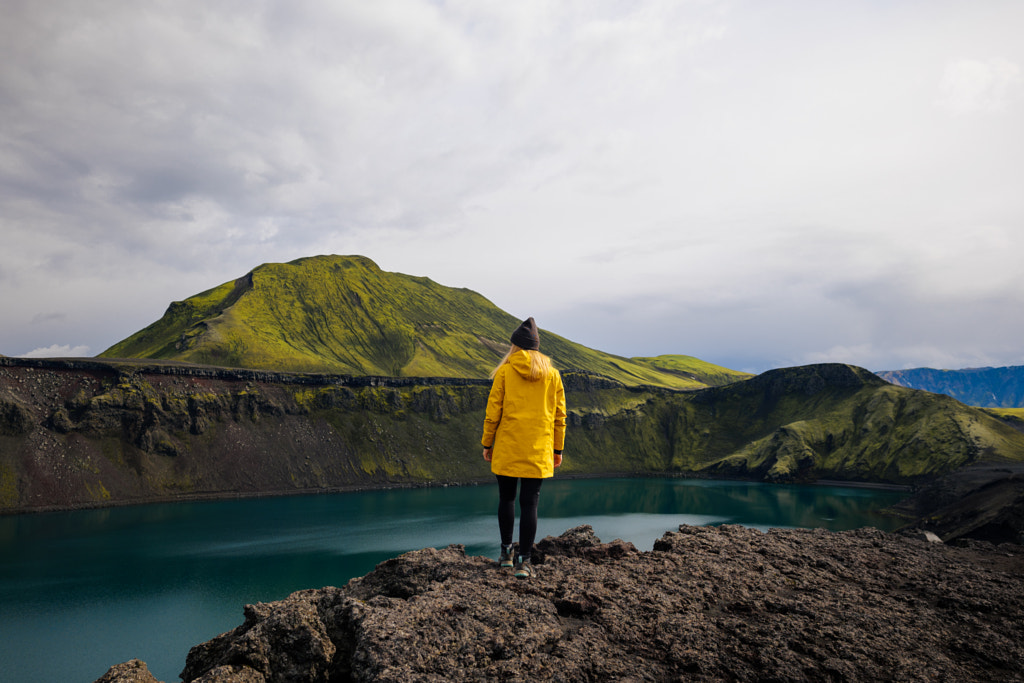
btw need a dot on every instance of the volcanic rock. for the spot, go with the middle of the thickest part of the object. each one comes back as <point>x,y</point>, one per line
<point>724,603</point>
<point>133,671</point>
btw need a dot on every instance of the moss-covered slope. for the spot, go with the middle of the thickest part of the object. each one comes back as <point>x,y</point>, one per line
<point>343,314</point>
<point>839,421</point>
<point>794,424</point>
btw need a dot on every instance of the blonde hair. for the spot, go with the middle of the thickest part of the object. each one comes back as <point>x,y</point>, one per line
<point>540,365</point>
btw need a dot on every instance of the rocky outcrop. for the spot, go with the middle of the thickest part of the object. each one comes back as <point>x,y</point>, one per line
<point>707,603</point>
<point>133,671</point>
<point>983,502</point>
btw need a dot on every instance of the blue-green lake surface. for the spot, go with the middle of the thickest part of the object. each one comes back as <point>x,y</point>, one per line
<point>81,591</point>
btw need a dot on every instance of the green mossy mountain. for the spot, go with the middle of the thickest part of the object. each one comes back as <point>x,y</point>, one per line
<point>806,423</point>
<point>344,315</point>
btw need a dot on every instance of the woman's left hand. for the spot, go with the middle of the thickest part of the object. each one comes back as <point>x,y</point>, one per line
<point>487,454</point>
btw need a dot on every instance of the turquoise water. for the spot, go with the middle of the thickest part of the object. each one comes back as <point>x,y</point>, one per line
<point>81,591</point>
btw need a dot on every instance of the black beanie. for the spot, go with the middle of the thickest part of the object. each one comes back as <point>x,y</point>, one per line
<point>526,336</point>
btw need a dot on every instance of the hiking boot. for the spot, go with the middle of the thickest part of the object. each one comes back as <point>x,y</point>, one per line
<point>505,559</point>
<point>524,570</point>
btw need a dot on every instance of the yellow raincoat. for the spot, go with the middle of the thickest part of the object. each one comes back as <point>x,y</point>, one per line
<point>525,421</point>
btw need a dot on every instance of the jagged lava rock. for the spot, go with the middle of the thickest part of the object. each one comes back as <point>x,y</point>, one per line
<point>132,671</point>
<point>707,603</point>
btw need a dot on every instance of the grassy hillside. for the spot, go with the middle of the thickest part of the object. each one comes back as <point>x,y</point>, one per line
<point>694,368</point>
<point>793,424</point>
<point>1011,416</point>
<point>342,314</point>
<point>842,421</point>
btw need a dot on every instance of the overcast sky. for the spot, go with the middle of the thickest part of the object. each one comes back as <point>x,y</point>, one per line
<point>756,183</point>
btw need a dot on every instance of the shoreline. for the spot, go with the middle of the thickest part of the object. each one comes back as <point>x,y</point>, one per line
<point>217,496</point>
<point>863,485</point>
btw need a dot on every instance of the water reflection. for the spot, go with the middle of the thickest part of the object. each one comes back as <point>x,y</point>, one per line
<point>714,502</point>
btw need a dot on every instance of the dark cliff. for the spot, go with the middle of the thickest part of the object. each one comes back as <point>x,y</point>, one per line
<point>706,604</point>
<point>79,433</point>
<point>76,433</point>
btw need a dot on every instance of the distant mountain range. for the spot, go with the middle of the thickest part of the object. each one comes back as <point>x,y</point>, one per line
<point>344,315</point>
<point>983,387</point>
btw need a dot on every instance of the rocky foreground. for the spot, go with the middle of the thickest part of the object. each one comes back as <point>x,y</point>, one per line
<point>706,604</point>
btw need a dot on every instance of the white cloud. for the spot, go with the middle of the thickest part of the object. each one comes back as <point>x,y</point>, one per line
<point>58,351</point>
<point>972,85</point>
<point>757,183</point>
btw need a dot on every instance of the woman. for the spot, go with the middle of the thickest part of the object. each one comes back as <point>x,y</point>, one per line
<point>524,433</point>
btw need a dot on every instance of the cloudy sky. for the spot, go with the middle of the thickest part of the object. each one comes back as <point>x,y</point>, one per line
<point>758,183</point>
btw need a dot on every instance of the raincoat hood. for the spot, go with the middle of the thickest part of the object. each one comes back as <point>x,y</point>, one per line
<point>521,363</point>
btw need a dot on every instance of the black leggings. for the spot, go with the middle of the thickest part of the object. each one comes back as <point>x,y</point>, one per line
<point>529,496</point>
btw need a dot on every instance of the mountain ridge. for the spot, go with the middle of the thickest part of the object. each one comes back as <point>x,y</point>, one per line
<point>343,314</point>
<point>986,387</point>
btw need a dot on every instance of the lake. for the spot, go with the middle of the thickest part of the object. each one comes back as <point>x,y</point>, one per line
<point>82,591</point>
